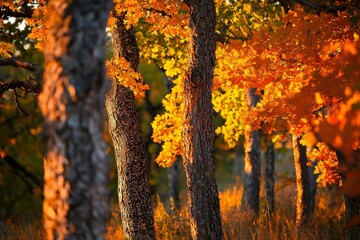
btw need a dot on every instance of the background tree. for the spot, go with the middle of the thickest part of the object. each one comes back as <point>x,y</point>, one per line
<point>76,167</point>
<point>269,175</point>
<point>131,158</point>
<point>303,208</point>
<point>251,197</point>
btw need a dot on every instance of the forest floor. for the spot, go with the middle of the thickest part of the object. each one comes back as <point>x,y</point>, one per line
<point>327,222</point>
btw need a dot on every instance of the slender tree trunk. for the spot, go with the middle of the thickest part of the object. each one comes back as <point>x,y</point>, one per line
<point>76,167</point>
<point>198,131</point>
<point>131,158</point>
<point>173,178</point>
<point>312,186</point>
<point>269,175</point>
<point>173,170</point>
<point>303,209</point>
<point>238,169</point>
<point>252,161</point>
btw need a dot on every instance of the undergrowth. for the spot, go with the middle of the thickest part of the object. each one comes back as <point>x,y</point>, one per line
<point>327,222</point>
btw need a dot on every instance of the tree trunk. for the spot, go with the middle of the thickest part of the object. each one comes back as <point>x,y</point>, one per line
<point>198,130</point>
<point>173,178</point>
<point>352,209</point>
<point>173,170</point>
<point>352,203</point>
<point>252,161</point>
<point>269,175</point>
<point>238,168</point>
<point>312,186</point>
<point>76,166</point>
<point>303,209</point>
<point>131,158</point>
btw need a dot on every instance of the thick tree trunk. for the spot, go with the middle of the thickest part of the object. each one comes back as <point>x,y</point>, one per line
<point>198,131</point>
<point>131,158</point>
<point>303,209</point>
<point>252,161</point>
<point>269,175</point>
<point>76,167</point>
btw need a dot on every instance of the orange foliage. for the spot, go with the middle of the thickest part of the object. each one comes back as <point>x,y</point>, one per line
<point>327,165</point>
<point>120,70</point>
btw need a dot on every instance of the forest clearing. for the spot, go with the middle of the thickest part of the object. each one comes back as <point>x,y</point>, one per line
<point>180,119</point>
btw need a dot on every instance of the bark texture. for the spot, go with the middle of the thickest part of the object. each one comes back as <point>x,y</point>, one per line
<point>269,175</point>
<point>131,157</point>
<point>72,103</point>
<point>198,131</point>
<point>252,160</point>
<point>303,208</point>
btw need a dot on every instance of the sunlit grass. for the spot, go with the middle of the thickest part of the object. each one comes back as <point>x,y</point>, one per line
<point>327,222</point>
<point>16,229</point>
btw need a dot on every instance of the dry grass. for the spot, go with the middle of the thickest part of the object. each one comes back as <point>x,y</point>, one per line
<point>18,229</point>
<point>237,224</point>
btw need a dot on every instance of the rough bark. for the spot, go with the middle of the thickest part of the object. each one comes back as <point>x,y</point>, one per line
<point>269,176</point>
<point>252,161</point>
<point>131,157</point>
<point>198,130</point>
<point>76,167</point>
<point>303,209</point>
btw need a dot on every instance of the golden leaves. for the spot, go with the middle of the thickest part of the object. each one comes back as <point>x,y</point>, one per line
<point>167,127</point>
<point>6,49</point>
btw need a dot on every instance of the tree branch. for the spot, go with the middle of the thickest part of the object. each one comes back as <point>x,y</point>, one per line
<point>161,12</point>
<point>17,62</point>
<point>322,8</point>
<point>22,171</point>
<point>27,86</point>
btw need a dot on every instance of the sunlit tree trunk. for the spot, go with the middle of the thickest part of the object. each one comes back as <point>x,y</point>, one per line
<point>252,160</point>
<point>303,209</point>
<point>72,103</point>
<point>131,158</point>
<point>269,175</point>
<point>198,130</point>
